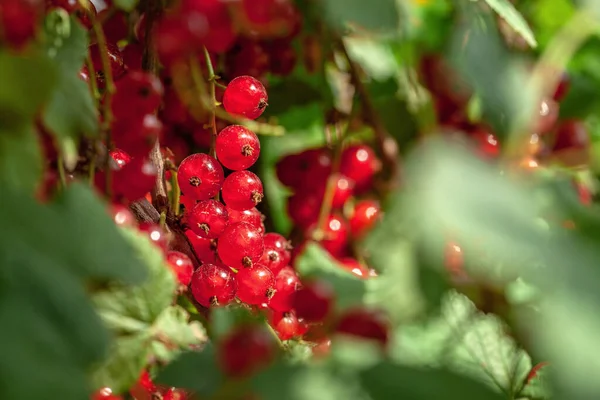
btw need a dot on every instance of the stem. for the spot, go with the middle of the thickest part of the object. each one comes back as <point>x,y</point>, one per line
<point>162,221</point>
<point>107,115</point>
<point>175,193</point>
<point>60,165</point>
<point>92,79</point>
<point>213,97</point>
<point>386,144</point>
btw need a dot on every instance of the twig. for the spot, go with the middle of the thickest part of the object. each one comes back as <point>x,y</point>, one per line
<point>107,115</point>
<point>175,194</point>
<point>385,143</point>
<point>213,97</point>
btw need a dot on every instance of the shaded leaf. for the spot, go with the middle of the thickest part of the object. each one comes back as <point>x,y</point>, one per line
<point>509,13</point>
<point>378,15</point>
<point>20,158</point>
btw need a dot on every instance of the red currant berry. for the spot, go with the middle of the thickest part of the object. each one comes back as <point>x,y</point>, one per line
<point>175,394</point>
<point>182,266</point>
<point>105,394</point>
<point>137,134</point>
<point>240,245</point>
<point>122,215</point>
<point>277,252</point>
<point>205,249</point>
<point>137,93</point>
<point>255,284</point>
<point>156,234</point>
<point>242,190</point>
<point>335,235</point>
<point>352,265</point>
<point>208,219</point>
<point>571,134</point>
<point>286,325</point>
<point>121,157</point>
<point>19,21</point>
<point>245,96</point>
<point>133,181</point>
<point>487,143</point>
<point>364,216</point>
<point>296,170</point>
<point>247,57</point>
<point>454,259</point>
<point>314,302</point>
<point>547,115</point>
<point>115,58</point>
<point>213,285</point>
<point>303,208</point>
<point>200,176</point>
<point>144,387</point>
<point>251,216</point>
<point>245,350</point>
<point>360,164</point>
<point>282,57</point>
<point>220,38</point>
<point>364,323</point>
<point>115,25</point>
<point>237,147</point>
<point>343,189</point>
<point>286,284</point>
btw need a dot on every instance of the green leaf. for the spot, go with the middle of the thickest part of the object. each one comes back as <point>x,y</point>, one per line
<point>20,158</point>
<point>376,57</point>
<point>120,304</point>
<point>315,262</point>
<point>27,82</point>
<point>389,381</point>
<point>126,5</point>
<point>377,15</point>
<point>195,371</point>
<point>173,332</point>
<point>507,11</point>
<point>71,111</point>
<point>128,357</point>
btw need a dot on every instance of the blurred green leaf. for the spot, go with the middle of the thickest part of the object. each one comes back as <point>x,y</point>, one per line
<point>375,57</point>
<point>20,158</point>
<point>173,333</point>
<point>71,111</point>
<point>377,15</point>
<point>195,371</point>
<point>538,387</point>
<point>27,82</point>
<point>542,15</point>
<point>315,262</point>
<point>389,381</point>
<point>126,5</point>
<point>509,13</point>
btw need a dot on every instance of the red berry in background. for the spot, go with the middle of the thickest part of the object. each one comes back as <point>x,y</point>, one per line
<point>240,245</point>
<point>121,157</point>
<point>251,216</point>
<point>314,301</point>
<point>247,57</point>
<point>213,285</point>
<point>237,147</point>
<point>115,25</point>
<point>175,394</point>
<point>242,190</point>
<point>182,266</point>
<point>487,144</point>
<point>296,170</point>
<point>245,96</point>
<point>286,284</point>
<point>115,58</point>
<point>335,235</point>
<point>134,180</point>
<point>563,87</point>
<point>354,266</point>
<point>364,323</point>
<point>282,57</point>
<point>454,259</point>
<point>245,350</point>
<point>137,134</point>
<point>584,194</point>
<point>220,37</point>
<point>363,218</point>
<point>105,394</point>
<point>303,208</point>
<point>546,115</point>
<point>122,215</point>
<point>571,134</point>
<point>343,189</point>
<point>205,249</point>
<point>286,325</point>
<point>200,176</point>
<point>19,20</point>
<point>156,234</point>
<point>207,219</point>
<point>137,93</point>
<point>277,252</point>
<point>360,164</point>
<point>256,284</point>
<point>144,387</point>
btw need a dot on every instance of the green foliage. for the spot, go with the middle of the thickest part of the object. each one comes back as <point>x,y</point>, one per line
<point>379,15</point>
<point>20,158</point>
<point>507,11</point>
<point>71,111</point>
